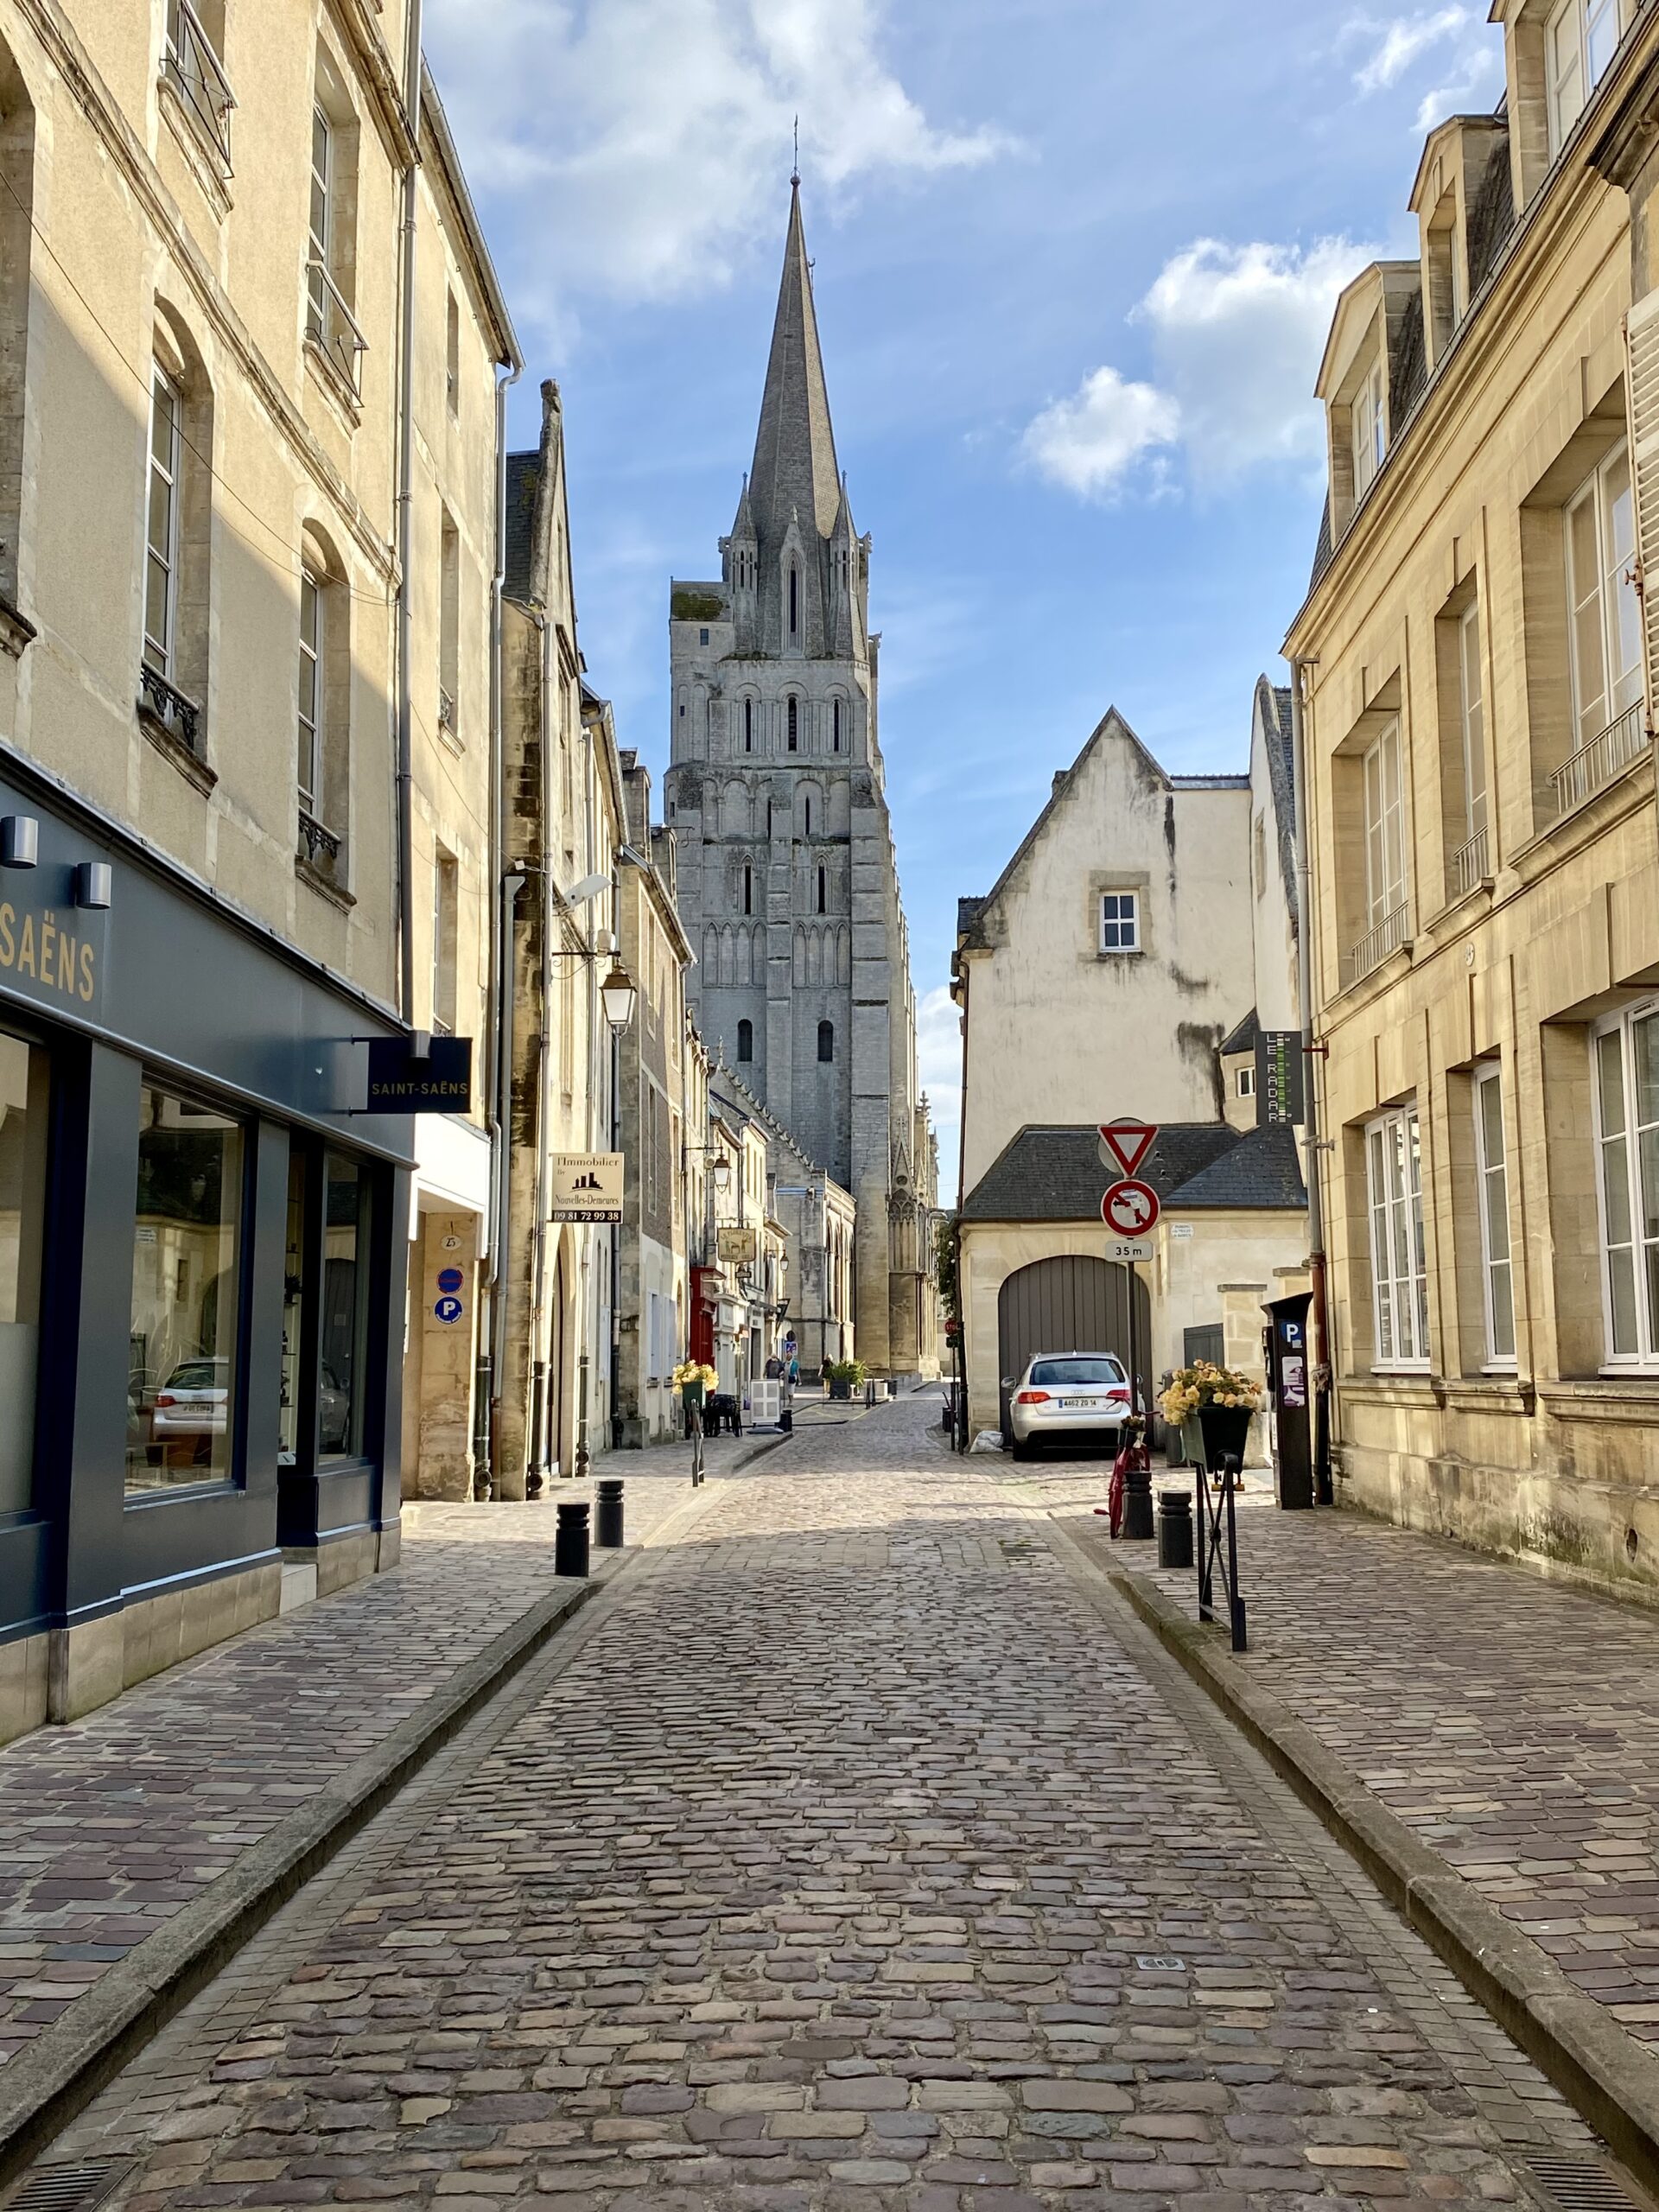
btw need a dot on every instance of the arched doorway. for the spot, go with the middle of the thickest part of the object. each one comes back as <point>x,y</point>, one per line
<point>1072,1303</point>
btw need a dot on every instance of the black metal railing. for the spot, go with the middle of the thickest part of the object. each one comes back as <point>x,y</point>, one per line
<point>1217,1548</point>
<point>168,704</point>
<point>318,843</point>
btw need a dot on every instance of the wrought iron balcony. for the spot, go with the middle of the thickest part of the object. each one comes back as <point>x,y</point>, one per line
<point>1599,762</point>
<point>318,845</point>
<point>445,711</point>
<point>168,705</point>
<point>1471,863</point>
<point>1374,948</point>
<point>193,70</point>
<point>332,327</point>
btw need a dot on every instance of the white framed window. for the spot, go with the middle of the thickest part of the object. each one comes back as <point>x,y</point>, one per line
<point>312,617</point>
<point>321,218</point>
<point>162,565</point>
<point>1371,429</point>
<point>1472,716</point>
<point>1605,631</point>
<point>1491,1164</point>
<point>1626,1053</point>
<point>1394,1174</point>
<point>1581,38</point>
<point>1120,921</point>
<point>1385,827</point>
<point>1245,1082</point>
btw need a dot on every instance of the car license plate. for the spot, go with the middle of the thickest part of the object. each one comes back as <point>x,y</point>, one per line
<point>1080,1405</point>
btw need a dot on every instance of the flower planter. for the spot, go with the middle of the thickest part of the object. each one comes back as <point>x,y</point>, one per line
<point>841,1390</point>
<point>691,1393</point>
<point>1209,1435</point>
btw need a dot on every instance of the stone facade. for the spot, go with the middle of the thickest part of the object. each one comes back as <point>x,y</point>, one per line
<point>788,881</point>
<point>1474,637</point>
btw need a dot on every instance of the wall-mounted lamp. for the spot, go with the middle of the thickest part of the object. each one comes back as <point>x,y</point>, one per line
<point>617,996</point>
<point>94,884</point>
<point>20,840</point>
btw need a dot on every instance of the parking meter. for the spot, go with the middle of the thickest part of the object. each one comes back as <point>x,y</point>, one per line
<point>1290,1381</point>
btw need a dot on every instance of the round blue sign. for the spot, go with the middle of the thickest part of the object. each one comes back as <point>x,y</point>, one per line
<point>448,1309</point>
<point>451,1281</point>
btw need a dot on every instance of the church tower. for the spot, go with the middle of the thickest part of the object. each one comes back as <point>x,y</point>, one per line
<point>788,886</point>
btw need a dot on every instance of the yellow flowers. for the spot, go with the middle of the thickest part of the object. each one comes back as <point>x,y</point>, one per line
<point>693,1371</point>
<point>1204,1383</point>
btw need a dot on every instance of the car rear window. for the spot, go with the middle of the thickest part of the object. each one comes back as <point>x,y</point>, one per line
<point>197,1375</point>
<point>1101,1373</point>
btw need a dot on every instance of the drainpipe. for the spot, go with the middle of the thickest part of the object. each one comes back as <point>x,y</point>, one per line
<point>962,1437</point>
<point>406,535</point>
<point>1311,1052</point>
<point>537,1457</point>
<point>502,902</point>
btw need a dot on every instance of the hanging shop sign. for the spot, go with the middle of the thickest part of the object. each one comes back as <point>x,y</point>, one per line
<point>1280,1087</point>
<point>588,1186</point>
<point>438,1080</point>
<point>738,1247</point>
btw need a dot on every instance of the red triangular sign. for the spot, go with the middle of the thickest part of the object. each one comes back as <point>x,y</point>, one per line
<point>1128,1143</point>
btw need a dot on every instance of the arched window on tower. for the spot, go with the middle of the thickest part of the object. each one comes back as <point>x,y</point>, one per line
<point>748,889</point>
<point>748,725</point>
<point>826,1042</point>
<point>809,818</point>
<point>745,1040</point>
<point>794,602</point>
<point>823,886</point>
<point>794,715</point>
<point>835,716</point>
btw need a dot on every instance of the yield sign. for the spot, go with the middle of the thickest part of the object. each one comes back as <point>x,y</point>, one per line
<point>1124,1145</point>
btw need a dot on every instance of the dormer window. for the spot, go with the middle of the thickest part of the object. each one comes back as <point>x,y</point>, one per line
<point>1581,39</point>
<point>1371,430</point>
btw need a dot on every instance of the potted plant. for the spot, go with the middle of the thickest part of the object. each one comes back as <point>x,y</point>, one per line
<point>694,1381</point>
<point>1212,1407</point>
<point>846,1376</point>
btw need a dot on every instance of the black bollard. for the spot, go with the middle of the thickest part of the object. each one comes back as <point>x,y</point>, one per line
<point>608,1521</point>
<point>1174,1529</point>
<point>570,1540</point>
<point>1137,1505</point>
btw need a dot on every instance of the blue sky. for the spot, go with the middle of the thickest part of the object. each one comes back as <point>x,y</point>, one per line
<point>1075,261</point>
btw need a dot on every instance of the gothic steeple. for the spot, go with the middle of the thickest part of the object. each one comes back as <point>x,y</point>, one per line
<point>795,480</point>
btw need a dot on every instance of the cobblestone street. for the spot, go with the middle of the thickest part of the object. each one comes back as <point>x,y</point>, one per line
<point>858,1848</point>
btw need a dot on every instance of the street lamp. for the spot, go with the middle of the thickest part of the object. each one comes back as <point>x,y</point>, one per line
<point>721,1171</point>
<point>618,997</point>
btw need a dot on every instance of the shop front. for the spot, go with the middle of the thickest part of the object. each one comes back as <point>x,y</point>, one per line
<point>201,1268</point>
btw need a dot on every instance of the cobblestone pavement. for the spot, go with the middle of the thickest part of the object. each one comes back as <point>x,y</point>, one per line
<point>1513,1723</point>
<point>108,1827</point>
<point>859,1850</point>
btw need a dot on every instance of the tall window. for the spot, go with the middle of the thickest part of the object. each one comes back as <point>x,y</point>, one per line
<point>311,691</point>
<point>451,355</point>
<point>745,1041</point>
<point>1492,1166</point>
<point>330,257</point>
<point>826,1042</point>
<point>446,911</point>
<point>793,717</point>
<point>321,240</point>
<point>1371,429</point>
<point>824,890</point>
<point>1606,627</point>
<point>1471,714</point>
<point>183,1363</point>
<point>748,725</point>
<point>1385,828</point>
<point>809,823</point>
<point>343,1328</point>
<point>1399,1275</point>
<point>161,573</point>
<point>1581,39</point>
<point>1120,921</point>
<point>749,888</point>
<point>794,602</point>
<point>449,626</point>
<point>834,721</point>
<point>23,1101</point>
<point>1627,1134</point>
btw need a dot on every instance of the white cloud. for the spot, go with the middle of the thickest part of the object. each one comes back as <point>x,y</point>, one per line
<point>1468,56</point>
<point>938,1051</point>
<point>646,140</point>
<point>1403,41</point>
<point>1088,444</point>
<point>1236,332</point>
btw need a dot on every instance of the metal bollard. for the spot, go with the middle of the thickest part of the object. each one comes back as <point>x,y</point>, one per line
<point>1137,1505</point>
<point>608,1521</point>
<point>571,1539</point>
<point>1174,1529</point>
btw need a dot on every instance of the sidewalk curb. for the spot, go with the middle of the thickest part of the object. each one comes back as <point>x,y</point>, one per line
<point>57,2075</point>
<point>1612,2079</point>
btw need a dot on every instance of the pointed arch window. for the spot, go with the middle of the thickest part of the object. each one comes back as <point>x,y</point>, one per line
<point>834,727</point>
<point>745,1041</point>
<point>826,1043</point>
<point>794,602</point>
<point>824,890</point>
<point>794,719</point>
<point>748,889</point>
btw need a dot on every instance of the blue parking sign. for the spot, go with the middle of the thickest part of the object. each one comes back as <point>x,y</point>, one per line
<point>448,1309</point>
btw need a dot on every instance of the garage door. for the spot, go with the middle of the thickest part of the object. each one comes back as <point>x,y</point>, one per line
<point>1070,1304</point>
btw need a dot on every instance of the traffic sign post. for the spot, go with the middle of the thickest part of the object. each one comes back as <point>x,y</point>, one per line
<point>1124,1145</point>
<point>1130,1208</point>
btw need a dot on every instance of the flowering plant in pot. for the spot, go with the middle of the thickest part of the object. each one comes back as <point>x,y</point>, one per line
<point>693,1380</point>
<point>1211,1406</point>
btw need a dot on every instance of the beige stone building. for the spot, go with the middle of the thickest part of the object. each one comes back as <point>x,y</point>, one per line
<point>1479,698</point>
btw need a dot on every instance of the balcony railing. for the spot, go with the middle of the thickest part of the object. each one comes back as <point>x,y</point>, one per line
<point>168,705</point>
<point>332,327</point>
<point>1599,762</point>
<point>1374,948</point>
<point>1471,863</point>
<point>193,70</point>
<point>318,845</point>
<point>445,711</point>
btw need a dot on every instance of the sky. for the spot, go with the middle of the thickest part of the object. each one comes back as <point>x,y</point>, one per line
<point>1075,261</point>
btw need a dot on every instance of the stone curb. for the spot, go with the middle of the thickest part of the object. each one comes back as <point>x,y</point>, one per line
<point>1612,2079</point>
<point>55,2076</point>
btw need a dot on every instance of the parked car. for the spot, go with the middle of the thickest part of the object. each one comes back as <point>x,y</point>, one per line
<point>1066,1397</point>
<point>334,1413</point>
<point>192,1403</point>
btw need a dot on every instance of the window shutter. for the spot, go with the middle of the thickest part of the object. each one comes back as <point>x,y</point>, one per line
<point>1642,388</point>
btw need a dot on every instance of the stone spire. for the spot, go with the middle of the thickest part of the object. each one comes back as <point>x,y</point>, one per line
<point>795,476</point>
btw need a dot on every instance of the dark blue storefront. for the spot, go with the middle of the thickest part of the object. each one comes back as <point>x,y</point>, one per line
<point>201,1254</point>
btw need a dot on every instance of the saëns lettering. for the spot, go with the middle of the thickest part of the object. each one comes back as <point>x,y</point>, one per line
<point>46,953</point>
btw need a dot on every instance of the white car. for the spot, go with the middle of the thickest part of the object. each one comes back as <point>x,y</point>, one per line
<point>192,1402</point>
<point>1064,1397</point>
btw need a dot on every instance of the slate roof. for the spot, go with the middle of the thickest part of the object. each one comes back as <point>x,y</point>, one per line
<point>1055,1174</point>
<point>523,481</point>
<point>1243,1038</point>
<point>968,914</point>
<point>1274,702</point>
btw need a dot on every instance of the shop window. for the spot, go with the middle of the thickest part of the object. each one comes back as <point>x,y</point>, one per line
<point>24,1077</point>
<point>1492,1166</point>
<point>288,1452</point>
<point>1399,1272</point>
<point>187,1294</point>
<point>343,1326</point>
